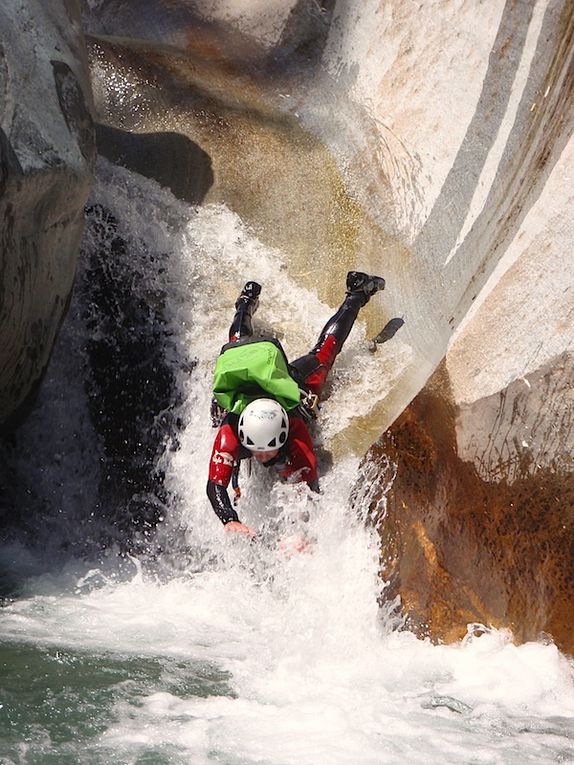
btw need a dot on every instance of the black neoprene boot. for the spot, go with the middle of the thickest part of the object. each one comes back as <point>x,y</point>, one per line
<point>360,288</point>
<point>359,283</point>
<point>249,297</point>
<point>245,306</point>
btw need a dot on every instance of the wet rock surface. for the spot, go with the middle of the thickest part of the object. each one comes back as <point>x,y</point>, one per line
<point>169,158</point>
<point>459,547</point>
<point>47,150</point>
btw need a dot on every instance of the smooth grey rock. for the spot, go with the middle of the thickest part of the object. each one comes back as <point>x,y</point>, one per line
<point>47,150</point>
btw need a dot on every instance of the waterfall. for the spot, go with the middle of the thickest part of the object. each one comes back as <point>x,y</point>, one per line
<point>204,648</point>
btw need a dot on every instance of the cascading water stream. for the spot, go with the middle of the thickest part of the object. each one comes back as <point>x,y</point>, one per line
<point>217,650</point>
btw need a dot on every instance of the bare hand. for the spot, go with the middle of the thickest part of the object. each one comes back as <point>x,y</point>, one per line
<point>236,527</point>
<point>295,545</point>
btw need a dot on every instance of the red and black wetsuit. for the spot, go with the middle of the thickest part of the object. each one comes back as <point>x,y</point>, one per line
<point>296,460</point>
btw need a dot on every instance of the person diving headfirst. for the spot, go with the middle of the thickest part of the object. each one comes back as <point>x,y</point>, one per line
<point>268,401</point>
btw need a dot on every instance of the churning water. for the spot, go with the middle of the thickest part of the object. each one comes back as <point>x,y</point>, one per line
<point>217,650</point>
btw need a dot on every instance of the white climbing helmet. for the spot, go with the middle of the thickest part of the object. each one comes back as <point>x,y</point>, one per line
<point>263,425</point>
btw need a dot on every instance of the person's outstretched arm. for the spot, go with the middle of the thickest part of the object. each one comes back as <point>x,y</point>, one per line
<point>223,456</point>
<point>220,503</point>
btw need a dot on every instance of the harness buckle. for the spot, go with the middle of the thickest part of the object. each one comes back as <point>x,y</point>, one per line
<point>217,414</point>
<point>309,404</point>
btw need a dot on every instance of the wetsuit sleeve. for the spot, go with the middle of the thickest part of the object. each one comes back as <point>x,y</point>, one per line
<point>223,456</point>
<point>220,503</point>
<point>302,462</point>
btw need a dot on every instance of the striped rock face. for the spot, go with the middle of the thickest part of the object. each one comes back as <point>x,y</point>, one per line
<point>478,525</point>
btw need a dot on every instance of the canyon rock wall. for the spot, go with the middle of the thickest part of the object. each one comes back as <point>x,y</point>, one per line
<point>471,109</point>
<point>478,525</point>
<point>367,134</point>
<point>433,145</point>
<point>47,150</point>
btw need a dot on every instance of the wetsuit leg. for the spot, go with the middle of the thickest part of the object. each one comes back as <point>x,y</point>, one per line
<point>314,367</point>
<point>245,306</point>
<point>241,327</point>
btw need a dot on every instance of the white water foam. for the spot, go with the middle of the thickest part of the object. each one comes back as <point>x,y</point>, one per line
<point>317,674</point>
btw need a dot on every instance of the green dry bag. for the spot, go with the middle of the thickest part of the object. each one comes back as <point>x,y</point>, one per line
<point>252,369</point>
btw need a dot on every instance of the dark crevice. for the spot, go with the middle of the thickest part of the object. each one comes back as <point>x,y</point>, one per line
<point>171,159</point>
<point>132,389</point>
